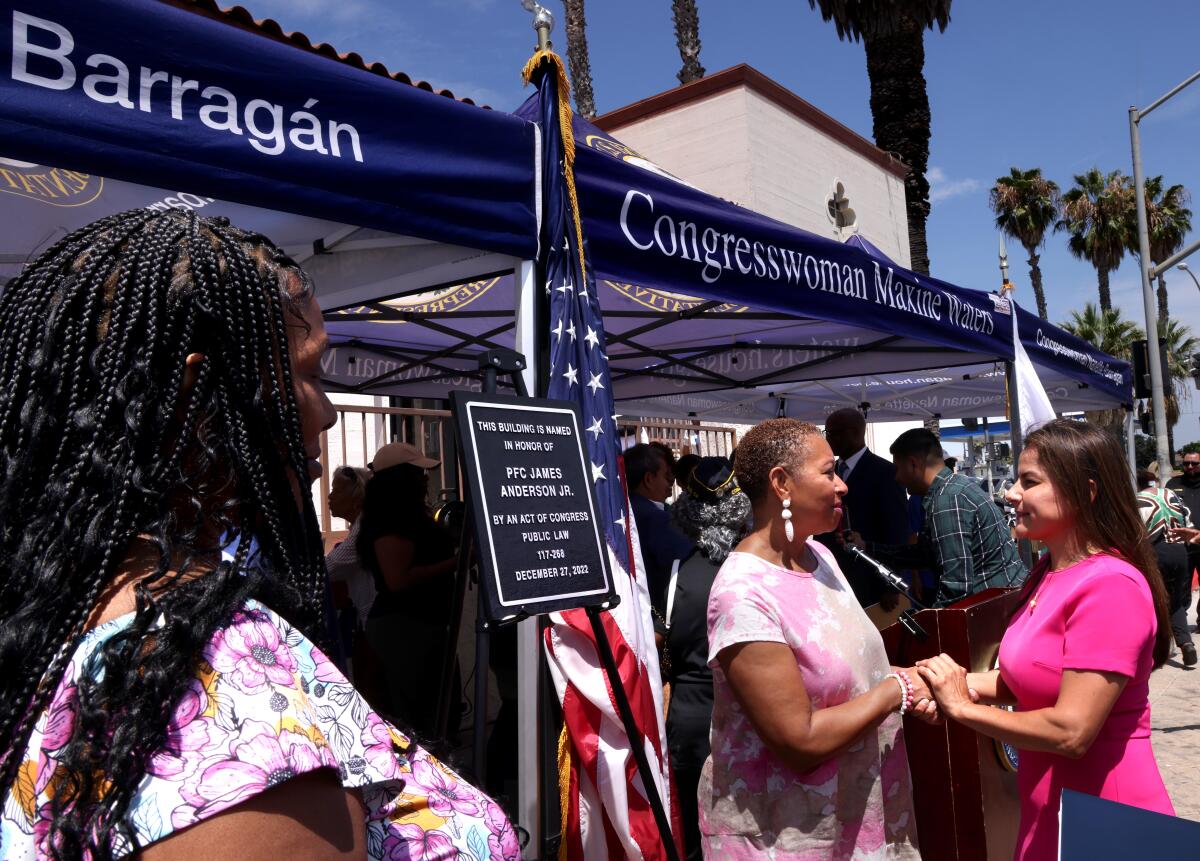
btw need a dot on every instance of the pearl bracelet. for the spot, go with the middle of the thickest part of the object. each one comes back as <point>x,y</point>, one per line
<point>906,695</point>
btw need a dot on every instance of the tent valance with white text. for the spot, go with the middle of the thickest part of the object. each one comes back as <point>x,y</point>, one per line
<point>152,93</point>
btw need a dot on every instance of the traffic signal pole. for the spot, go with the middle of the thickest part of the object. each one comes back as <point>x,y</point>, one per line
<point>1157,398</point>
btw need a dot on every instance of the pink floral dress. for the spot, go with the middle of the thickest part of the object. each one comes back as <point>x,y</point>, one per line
<point>266,706</point>
<point>857,805</point>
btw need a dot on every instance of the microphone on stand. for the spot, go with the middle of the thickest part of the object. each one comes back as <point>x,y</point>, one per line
<point>895,581</point>
<point>885,573</point>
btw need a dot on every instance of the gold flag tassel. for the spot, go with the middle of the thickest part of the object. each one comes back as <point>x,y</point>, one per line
<point>564,788</point>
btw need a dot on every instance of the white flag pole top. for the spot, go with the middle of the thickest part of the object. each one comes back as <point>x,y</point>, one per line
<point>1031,395</point>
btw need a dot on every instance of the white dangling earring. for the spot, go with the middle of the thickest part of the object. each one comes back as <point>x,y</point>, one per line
<point>788,532</point>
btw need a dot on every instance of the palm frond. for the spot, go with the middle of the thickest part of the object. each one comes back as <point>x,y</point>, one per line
<point>865,19</point>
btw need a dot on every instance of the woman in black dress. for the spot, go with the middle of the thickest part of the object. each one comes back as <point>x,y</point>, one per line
<point>413,561</point>
<point>713,513</point>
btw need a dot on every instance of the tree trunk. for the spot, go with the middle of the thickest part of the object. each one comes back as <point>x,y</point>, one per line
<point>1105,295</point>
<point>1112,421</point>
<point>1035,280</point>
<point>577,58</point>
<point>687,38</point>
<point>1163,311</point>
<point>900,114</point>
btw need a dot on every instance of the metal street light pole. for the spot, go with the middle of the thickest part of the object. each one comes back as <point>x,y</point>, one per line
<point>1184,267</point>
<point>1157,400</point>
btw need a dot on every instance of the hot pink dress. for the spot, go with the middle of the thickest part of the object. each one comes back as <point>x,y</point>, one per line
<point>856,806</point>
<point>1095,615</point>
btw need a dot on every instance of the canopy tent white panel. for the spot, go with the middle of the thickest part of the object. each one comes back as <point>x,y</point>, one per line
<point>349,265</point>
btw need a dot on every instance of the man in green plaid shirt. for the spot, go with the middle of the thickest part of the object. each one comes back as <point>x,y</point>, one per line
<point>965,541</point>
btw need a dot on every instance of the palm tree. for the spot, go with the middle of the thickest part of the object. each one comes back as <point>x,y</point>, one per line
<point>687,38</point>
<point>1105,329</point>
<point>1180,344</point>
<point>1168,221</point>
<point>1108,332</point>
<point>577,58</point>
<point>893,34</point>
<point>1096,215</point>
<point>1026,206</point>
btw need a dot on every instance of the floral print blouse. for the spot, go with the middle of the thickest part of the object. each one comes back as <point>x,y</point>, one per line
<point>266,706</point>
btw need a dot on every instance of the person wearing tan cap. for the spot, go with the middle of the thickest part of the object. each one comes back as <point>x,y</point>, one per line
<point>396,453</point>
<point>413,561</point>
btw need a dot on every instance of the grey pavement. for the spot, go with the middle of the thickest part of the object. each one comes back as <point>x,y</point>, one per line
<point>1175,731</point>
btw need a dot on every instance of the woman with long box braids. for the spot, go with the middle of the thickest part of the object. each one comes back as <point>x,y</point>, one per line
<point>160,403</point>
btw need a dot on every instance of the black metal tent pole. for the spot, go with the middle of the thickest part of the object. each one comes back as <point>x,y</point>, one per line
<point>450,656</point>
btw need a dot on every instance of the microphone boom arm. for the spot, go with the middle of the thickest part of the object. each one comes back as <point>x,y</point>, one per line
<point>895,581</point>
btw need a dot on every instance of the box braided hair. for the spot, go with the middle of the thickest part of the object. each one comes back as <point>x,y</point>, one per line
<point>105,442</point>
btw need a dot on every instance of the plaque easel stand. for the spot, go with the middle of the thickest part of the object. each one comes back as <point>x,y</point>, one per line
<point>490,363</point>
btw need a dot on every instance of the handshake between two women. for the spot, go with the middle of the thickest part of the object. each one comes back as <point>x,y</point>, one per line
<point>943,688</point>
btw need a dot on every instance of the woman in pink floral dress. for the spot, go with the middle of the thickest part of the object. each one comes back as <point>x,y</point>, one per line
<point>160,399</point>
<point>808,759</point>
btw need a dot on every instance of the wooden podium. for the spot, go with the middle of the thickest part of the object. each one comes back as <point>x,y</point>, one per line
<point>964,787</point>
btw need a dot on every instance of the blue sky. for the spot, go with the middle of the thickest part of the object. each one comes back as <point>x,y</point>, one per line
<point>1028,83</point>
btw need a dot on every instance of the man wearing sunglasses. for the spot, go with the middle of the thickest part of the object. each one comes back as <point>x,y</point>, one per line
<point>1188,488</point>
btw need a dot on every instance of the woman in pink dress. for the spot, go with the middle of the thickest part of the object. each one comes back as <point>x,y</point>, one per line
<point>1077,656</point>
<point>808,759</point>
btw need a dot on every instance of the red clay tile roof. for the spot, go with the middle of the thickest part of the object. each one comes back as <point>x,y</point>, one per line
<point>240,16</point>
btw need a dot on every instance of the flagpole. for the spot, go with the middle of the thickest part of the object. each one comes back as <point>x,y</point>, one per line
<point>637,741</point>
<point>534,754</point>
<point>1016,438</point>
<point>1016,431</point>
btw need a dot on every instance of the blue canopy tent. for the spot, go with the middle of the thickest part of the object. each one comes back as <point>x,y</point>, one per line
<point>413,212</point>
<point>390,191</point>
<point>142,103</point>
<point>837,324</point>
<point>717,313</point>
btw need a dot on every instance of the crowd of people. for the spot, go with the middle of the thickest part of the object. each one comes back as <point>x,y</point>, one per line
<point>168,638</point>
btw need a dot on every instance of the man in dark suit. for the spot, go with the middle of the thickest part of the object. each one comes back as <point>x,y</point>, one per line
<point>650,479</point>
<point>874,504</point>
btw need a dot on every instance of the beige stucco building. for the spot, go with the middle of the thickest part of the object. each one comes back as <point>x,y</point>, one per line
<point>741,136</point>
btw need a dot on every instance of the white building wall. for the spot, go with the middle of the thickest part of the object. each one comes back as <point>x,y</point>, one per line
<point>706,143</point>
<point>741,146</point>
<point>795,166</point>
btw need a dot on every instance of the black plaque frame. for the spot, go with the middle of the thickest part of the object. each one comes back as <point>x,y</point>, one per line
<point>501,606</point>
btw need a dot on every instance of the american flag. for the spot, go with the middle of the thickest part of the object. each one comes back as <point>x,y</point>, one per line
<point>607,813</point>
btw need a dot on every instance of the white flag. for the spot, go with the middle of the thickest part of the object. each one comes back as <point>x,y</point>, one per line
<point>1030,394</point>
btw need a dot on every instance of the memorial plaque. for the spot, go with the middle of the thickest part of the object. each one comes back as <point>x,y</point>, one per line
<point>540,546</point>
